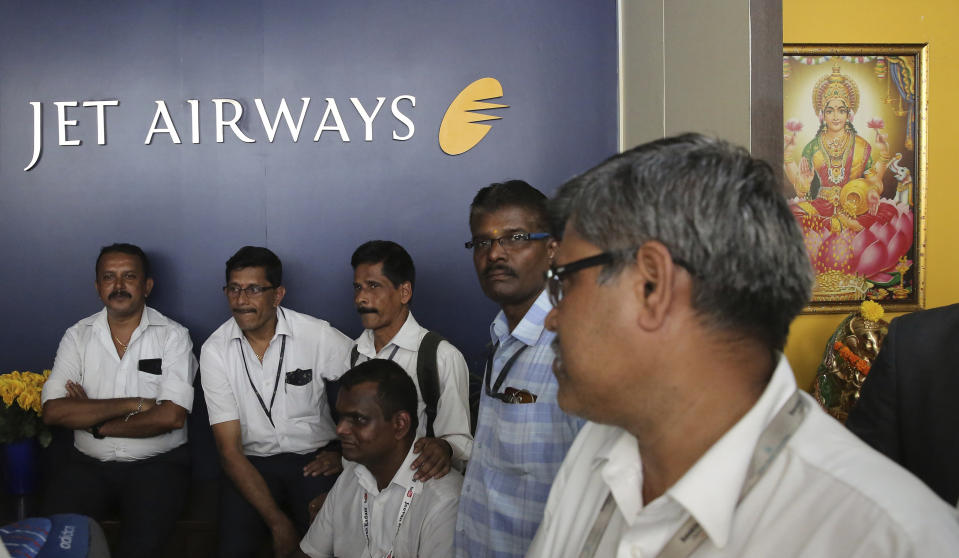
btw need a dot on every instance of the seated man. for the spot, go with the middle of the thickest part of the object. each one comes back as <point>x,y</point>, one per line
<point>123,381</point>
<point>262,373</point>
<point>376,508</point>
<point>383,281</point>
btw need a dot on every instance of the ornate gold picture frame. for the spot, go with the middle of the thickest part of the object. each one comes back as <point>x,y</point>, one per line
<point>854,151</point>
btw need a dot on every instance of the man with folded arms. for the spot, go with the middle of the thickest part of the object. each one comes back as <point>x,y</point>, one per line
<point>123,381</point>
<point>678,273</point>
<point>377,507</point>
<point>263,377</point>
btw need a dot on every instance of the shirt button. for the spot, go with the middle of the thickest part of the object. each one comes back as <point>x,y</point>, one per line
<point>636,553</point>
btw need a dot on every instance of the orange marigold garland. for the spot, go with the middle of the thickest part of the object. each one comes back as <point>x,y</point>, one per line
<point>846,353</point>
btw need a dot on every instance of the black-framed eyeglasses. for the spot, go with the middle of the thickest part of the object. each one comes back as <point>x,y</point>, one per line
<point>556,274</point>
<point>507,241</point>
<point>234,291</point>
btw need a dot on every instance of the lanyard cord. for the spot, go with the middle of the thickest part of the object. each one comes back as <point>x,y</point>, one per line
<point>690,535</point>
<point>502,373</point>
<point>400,516</point>
<point>392,353</point>
<point>276,384</point>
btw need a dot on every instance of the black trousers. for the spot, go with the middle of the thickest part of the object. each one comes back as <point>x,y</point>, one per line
<point>242,531</point>
<point>147,496</point>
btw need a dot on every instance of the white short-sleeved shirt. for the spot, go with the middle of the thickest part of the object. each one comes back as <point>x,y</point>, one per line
<point>427,529</point>
<point>301,423</point>
<point>452,421</point>
<point>158,364</point>
<point>826,494</point>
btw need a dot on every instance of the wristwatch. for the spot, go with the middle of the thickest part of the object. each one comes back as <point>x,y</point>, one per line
<point>95,430</point>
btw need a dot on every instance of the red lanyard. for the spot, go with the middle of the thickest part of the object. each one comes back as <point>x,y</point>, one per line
<point>400,516</point>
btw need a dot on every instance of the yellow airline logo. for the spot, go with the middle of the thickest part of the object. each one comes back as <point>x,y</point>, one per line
<point>460,130</point>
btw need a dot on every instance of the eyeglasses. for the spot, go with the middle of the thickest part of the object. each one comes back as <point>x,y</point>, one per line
<point>556,275</point>
<point>233,291</point>
<point>508,242</point>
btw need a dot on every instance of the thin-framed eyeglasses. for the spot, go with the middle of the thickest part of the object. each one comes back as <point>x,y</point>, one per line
<point>233,291</point>
<point>556,274</point>
<point>508,241</point>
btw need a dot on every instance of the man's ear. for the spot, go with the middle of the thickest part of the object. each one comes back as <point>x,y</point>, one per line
<point>653,283</point>
<point>149,287</point>
<point>401,424</point>
<point>406,292</point>
<point>551,245</point>
<point>278,295</point>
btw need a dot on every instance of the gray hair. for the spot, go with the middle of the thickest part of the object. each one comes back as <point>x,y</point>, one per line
<point>720,213</point>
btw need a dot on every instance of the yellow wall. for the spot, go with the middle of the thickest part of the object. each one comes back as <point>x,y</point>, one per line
<point>884,21</point>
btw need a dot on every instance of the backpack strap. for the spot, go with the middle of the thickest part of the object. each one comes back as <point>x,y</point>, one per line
<point>354,355</point>
<point>428,377</point>
<point>332,387</point>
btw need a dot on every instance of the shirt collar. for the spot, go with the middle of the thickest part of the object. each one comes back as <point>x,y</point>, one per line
<point>99,320</point>
<point>530,329</point>
<point>622,472</point>
<point>408,337</point>
<point>710,488</point>
<point>282,326</point>
<point>148,318</point>
<point>402,478</point>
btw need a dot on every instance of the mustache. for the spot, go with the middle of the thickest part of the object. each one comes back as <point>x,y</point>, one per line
<point>499,267</point>
<point>366,310</point>
<point>243,310</point>
<point>119,294</point>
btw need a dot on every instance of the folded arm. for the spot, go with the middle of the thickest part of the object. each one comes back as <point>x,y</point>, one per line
<point>159,418</point>
<point>126,417</point>
<point>79,412</point>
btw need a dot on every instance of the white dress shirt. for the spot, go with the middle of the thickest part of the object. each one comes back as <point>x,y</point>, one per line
<point>88,357</point>
<point>825,494</point>
<point>426,531</point>
<point>452,421</point>
<point>301,420</point>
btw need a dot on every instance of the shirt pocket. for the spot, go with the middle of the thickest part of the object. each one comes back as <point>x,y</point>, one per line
<point>526,437</point>
<point>301,400</point>
<point>150,366</point>
<point>149,374</point>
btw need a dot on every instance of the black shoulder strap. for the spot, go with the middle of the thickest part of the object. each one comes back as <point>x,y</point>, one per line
<point>428,377</point>
<point>354,355</point>
<point>333,387</point>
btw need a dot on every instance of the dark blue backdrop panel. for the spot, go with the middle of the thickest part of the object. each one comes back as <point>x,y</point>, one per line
<point>192,205</point>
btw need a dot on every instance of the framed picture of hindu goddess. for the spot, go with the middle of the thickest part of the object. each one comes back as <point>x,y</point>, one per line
<point>854,156</point>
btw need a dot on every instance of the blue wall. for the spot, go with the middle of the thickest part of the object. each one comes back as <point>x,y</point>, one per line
<point>190,206</point>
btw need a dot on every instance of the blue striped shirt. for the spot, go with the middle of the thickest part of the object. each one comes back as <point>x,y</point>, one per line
<point>517,448</point>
